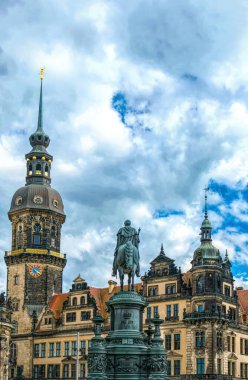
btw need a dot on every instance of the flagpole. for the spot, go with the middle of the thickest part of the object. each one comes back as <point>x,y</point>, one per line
<point>77,358</point>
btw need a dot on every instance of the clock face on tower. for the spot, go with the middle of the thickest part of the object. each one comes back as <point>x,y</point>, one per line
<point>35,270</point>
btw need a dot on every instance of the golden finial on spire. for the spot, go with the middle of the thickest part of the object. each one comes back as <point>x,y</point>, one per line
<point>42,73</point>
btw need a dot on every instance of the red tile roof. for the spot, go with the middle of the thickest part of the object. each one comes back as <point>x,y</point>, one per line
<point>56,304</point>
<point>102,295</point>
<point>243,300</point>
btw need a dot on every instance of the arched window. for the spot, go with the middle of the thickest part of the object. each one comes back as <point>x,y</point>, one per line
<point>30,169</point>
<point>82,300</point>
<point>19,237</point>
<point>53,237</point>
<point>200,286</point>
<point>74,301</point>
<point>38,169</point>
<point>37,237</point>
<point>46,171</point>
<point>13,353</point>
<point>219,340</point>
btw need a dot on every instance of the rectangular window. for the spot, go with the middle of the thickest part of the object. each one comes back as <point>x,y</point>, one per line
<point>70,317</point>
<point>82,371</point>
<point>200,308</point>
<point>42,371</point>
<point>50,371</point>
<point>176,310</point>
<point>177,367</point>
<point>51,350</point>
<point>155,311</point>
<point>177,341</point>
<point>83,347</point>
<point>168,311</point>
<point>227,290</point>
<point>58,348</point>
<point>168,367</point>
<point>229,343</point>
<point>246,347</point>
<point>74,348</point>
<point>36,240</point>
<point>73,370</point>
<point>67,349</point>
<point>56,371</point>
<point>36,372</point>
<point>66,371</point>
<point>219,370</point>
<point>43,350</point>
<point>200,366</point>
<point>85,315</point>
<point>241,346</point>
<point>149,312</point>
<point>152,291</point>
<point>233,344</point>
<point>200,339</point>
<point>36,350</point>
<point>168,342</point>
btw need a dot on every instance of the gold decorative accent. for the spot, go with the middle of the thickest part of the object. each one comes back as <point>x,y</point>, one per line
<point>34,157</point>
<point>43,158</point>
<point>35,251</point>
<point>49,161</point>
<point>28,159</point>
<point>42,73</point>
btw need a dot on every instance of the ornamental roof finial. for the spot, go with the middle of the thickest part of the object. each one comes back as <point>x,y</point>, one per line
<point>206,202</point>
<point>42,73</point>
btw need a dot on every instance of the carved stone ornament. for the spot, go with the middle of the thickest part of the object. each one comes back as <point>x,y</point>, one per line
<point>97,363</point>
<point>156,364</point>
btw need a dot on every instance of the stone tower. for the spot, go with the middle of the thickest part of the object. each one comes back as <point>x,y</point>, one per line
<point>35,264</point>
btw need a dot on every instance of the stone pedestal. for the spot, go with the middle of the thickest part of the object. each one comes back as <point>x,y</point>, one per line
<point>129,352</point>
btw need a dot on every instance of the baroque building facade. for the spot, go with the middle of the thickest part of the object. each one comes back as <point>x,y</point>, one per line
<point>47,333</point>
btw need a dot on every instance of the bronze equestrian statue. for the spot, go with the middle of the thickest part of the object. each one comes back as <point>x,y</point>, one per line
<point>126,256</point>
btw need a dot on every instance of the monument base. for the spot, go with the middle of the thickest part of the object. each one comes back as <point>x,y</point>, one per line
<point>127,352</point>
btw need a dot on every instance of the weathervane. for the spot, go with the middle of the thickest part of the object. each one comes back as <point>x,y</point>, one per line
<point>42,73</point>
<point>206,201</point>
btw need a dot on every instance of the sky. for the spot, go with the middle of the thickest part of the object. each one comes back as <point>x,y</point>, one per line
<point>146,104</point>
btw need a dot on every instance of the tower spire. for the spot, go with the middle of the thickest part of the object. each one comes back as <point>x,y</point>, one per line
<point>40,117</point>
<point>206,202</point>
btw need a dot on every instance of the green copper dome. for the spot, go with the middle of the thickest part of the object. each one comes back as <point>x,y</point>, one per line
<point>207,251</point>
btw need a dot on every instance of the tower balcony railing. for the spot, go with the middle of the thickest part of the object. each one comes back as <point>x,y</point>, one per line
<point>197,315</point>
<point>35,251</point>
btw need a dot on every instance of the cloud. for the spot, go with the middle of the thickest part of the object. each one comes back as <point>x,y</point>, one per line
<point>144,106</point>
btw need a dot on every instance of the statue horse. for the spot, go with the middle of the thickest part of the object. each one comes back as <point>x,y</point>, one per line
<point>127,261</point>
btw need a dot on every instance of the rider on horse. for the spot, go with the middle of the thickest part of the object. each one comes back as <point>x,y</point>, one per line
<point>125,234</point>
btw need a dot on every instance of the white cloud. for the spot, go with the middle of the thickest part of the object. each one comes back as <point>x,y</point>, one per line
<point>186,91</point>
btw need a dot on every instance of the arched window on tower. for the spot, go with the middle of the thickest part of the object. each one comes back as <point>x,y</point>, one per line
<point>82,300</point>
<point>19,237</point>
<point>53,237</point>
<point>38,169</point>
<point>200,284</point>
<point>13,353</point>
<point>74,301</point>
<point>46,171</point>
<point>37,235</point>
<point>30,169</point>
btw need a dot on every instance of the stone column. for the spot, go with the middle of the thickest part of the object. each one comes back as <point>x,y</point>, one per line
<point>157,360</point>
<point>97,359</point>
